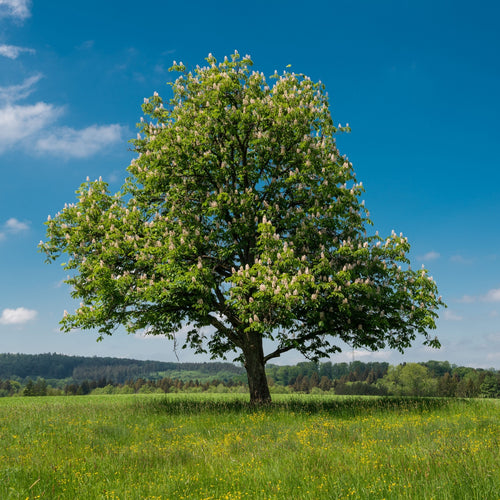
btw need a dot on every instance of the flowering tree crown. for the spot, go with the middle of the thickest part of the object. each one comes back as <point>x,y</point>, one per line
<point>240,214</point>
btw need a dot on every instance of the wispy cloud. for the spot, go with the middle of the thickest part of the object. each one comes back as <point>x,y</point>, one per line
<point>71,143</point>
<point>18,123</point>
<point>368,354</point>
<point>13,52</point>
<point>13,93</point>
<point>15,226</point>
<point>19,9</point>
<point>429,256</point>
<point>492,295</point>
<point>32,125</point>
<point>450,315</point>
<point>17,316</point>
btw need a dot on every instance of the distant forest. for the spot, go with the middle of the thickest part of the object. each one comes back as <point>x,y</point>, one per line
<point>56,374</point>
<point>117,370</point>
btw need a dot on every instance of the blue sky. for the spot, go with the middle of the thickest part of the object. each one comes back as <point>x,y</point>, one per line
<point>416,81</point>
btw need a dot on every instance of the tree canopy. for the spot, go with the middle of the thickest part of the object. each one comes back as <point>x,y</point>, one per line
<point>240,214</point>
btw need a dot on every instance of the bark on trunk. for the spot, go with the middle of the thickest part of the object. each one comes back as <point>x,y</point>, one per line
<point>256,374</point>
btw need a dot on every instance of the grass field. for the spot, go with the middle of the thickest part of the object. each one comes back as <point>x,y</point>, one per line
<point>216,447</point>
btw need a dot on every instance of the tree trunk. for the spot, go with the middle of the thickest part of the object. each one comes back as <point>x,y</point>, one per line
<point>256,373</point>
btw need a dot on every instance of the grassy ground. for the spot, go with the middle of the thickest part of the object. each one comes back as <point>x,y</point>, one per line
<point>216,447</point>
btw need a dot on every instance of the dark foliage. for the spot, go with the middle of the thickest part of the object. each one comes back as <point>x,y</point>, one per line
<point>39,375</point>
<point>118,370</point>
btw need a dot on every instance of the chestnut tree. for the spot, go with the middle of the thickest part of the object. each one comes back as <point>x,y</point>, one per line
<point>240,221</point>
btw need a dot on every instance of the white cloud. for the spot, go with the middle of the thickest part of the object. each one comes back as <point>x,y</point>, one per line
<point>14,93</point>
<point>17,316</point>
<point>20,122</point>
<point>449,315</point>
<point>19,9</point>
<point>368,354</point>
<point>145,336</point>
<point>13,226</point>
<point>16,226</point>
<point>492,296</point>
<point>72,143</point>
<point>12,51</point>
<point>429,256</point>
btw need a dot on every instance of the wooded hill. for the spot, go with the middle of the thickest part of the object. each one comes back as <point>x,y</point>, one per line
<point>81,375</point>
<point>116,370</point>
<point>120,370</point>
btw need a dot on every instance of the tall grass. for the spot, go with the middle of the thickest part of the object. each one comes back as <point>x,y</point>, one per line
<point>218,447</point>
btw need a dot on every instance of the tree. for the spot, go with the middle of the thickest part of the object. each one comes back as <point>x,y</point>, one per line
<point>490,387</point>
<point>29,389</point>
<point>325,384</point>
<point>314,380</point>
<point>305,384</point>
<point>325,370</point>
<point>38,388</point>
<point>409,379</point>
<point>416,380</point>
<point>241,215</point>
<point>447,385</point>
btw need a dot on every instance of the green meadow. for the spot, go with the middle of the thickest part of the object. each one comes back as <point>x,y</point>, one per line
<point>210,446</point>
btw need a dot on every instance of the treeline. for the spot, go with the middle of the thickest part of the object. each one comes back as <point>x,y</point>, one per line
<point>432,378</point>
<point>313,374</point>
<point>116,370</point>
<point>40,387</point>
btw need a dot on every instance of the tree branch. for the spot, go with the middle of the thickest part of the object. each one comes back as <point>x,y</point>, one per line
<point>227,332</point>
<point>277,353</point>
